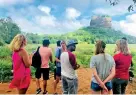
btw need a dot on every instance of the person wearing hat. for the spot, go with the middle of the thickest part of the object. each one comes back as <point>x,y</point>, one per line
<point>68,67</point>
<point>46,56</point>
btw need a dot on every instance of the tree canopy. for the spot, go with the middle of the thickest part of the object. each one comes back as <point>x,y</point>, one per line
<point>8,29</point>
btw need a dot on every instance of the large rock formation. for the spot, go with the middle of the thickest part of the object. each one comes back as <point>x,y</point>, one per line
<point>101,21</point>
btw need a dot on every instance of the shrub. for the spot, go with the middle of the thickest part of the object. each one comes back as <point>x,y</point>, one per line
<point>5,52</point>
<point>1,42</point>
<point>5,70</point>
<point>33,71</point>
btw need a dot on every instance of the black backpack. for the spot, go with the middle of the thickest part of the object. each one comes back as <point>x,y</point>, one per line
<point>36,59</point>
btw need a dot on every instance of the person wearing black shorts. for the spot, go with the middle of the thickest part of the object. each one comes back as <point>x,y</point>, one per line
<point>46,56</point>
<point>42,71</point>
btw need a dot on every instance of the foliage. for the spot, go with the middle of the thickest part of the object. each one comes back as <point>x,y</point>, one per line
<point>4,52</point>
<point>86,34</point>
<point>8,29</point>
<point>108,35</point>
<point>1,42</point>
<point>5,70</point>
<point>83,53</point>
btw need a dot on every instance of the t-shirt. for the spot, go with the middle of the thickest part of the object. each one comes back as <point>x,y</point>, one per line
<point>103,64</point>
<point>57,55</point>
<point>45,53</point>
<point>68,60</point>
<point>123,63</point>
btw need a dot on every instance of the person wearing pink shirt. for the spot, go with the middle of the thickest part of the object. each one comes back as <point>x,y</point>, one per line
<point>46,56</point>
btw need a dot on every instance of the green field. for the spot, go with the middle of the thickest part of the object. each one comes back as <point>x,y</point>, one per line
<point>83,53</point>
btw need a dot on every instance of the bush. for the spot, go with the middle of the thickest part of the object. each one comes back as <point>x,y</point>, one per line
<point>33,71</point>
<point>52,65</point>
<point>5,52</point>
<point>1,42</point>
<point>5,70</point>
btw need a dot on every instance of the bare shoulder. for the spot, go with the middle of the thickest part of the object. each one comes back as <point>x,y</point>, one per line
<point>22,52</point>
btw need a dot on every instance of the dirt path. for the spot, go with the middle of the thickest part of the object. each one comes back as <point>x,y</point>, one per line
<point>84,76</point>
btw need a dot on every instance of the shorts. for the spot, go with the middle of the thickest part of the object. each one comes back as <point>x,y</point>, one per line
<point>58,71</point>
<point>96,87</point>
<point>44,71</point>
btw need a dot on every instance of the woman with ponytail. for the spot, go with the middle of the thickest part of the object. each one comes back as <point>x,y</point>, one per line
<point>103,69</point>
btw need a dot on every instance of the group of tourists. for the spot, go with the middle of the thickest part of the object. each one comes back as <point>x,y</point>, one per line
<point>109,74</point>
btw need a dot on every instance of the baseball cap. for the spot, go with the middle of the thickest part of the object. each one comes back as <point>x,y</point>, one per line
<point>70,42</point>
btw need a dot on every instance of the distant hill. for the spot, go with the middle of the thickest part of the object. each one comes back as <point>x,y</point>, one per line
<point>86,34</point>
<point>107,34</point>
<point>103,31</point>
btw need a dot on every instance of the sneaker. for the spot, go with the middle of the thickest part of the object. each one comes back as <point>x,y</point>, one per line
<point>38,91</point>
<point>46,92</point>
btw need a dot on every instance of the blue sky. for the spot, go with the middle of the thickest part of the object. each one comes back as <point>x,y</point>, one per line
<point>62,16</point>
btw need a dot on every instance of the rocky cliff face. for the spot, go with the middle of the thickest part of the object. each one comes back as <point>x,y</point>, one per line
<point>101,21</point>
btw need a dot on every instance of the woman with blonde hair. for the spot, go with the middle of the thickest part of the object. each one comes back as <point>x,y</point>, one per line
<point>103,69</point>
<point>21,63</point>
<point>123,61</point>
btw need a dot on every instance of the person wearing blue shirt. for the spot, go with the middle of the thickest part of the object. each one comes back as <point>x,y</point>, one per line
<point>57,74</point>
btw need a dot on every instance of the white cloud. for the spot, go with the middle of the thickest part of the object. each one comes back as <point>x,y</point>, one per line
<point>113,11</point>
<point>71,25</point>
<point>131,18</point>
<point>72,13</point>
<point>80,5</point>
<point>45,9</point>
<point>120,9</point>
<point>127,26</point>
<point>27,26</point>
<point>37,21</point>
<point>46,20</point>
<point>13,2</point>
<point>116,25</point>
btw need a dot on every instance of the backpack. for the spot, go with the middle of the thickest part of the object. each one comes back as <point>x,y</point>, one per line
<point>36,59</point>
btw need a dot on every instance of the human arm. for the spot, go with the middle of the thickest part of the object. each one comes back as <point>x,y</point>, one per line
<point>95,74</point>
<point>100,82</point>
<point>27,59</point>
<point>112,74</point>
<point>73,62</point>
<point>57,55</point>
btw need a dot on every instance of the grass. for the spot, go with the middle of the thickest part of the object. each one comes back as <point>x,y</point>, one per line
<point>83,54</point>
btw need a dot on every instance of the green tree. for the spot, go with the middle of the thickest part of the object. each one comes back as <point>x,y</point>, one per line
<point>8,29</point>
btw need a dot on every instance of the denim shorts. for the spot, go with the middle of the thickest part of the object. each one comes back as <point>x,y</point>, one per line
<point>58,71</point>
<point>96,87</point>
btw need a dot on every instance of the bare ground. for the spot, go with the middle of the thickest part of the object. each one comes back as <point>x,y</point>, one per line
<point>84,77</point>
